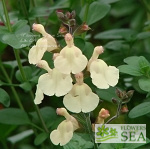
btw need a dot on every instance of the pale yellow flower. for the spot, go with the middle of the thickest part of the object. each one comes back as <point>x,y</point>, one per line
<point>36,52</point>
<point>53,82</point>
<point>70,58</point>
<point>102,75</point>
<point>64,132</point>
<point>46,43</point>
<point>38,96</point>
<point>81,97</point>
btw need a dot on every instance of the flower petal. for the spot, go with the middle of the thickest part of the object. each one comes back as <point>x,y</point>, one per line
<point>55,82</point>
<point>97,70</point>
<point>51,43</point>
<point>81,98</point>
<point>63,134</point>
<point>36,52</point>
<point>70,60</point>
<point>46,84</point>
<point>112,75</point>
<point>102,75</point>
<point>38,96</point>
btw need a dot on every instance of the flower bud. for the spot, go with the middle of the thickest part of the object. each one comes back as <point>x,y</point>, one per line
<point>119,93</point>
<point>130,93</point>
<point>124,109</point>
<point>104,113</point>
<point>115,101</point>
<point>63,30</point>
<point>72,22</point>
<point>73,14</point>
<point>82,29</point>
<point>79,78</point>
<point>68,15</point>
<point>60,15</point>
<point>39,28</point>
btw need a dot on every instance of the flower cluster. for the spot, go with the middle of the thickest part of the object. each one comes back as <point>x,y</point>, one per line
<point>78,96</point>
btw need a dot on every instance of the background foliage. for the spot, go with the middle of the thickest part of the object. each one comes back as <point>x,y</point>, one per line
<point>121,26</point>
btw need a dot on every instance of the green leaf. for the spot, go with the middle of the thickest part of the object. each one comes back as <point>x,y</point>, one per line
<point>20,37</point>
<point>108,1</point>
<point>115,45</point>
<point>80,43</point>
<point>27,71</point>
<point>143,35</point>
<point>107,94</point>
<point>77,142</point>
<point>141,109</point>
<point>16,138</point>
<point>49,115</point>
<point>13,116</point>
<point>4,98</point>
<point>39,12</point>
<point>88,49</point>
<point>131,70</point>
<point>96,12</point>
<point>137,66</point>
<point>144,84</point>
<point>41,138</point>
<point>26,86</point>
<point>115,34</point>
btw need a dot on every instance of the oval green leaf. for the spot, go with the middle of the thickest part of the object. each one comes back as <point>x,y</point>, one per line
<point>13,116</point>
<point>141,109</point>
<point>4,98</point>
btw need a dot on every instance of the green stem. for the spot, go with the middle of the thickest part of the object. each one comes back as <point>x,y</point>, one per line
<point>32,124</point>
<point>25,11</point>
<point>89,128</point>
<point>34,5</point>
<point>117,113</point>
<point>85,17</point>
<point>6,16</point>
<point>21,71</point>
<point>12,88</point>
<point>4,144</point>
<point>147,5</point>
<point>20,64</point>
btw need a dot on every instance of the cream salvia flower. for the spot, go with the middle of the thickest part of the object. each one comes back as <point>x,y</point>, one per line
<point>81,97</point>
<point>38,96</point>
<point>64,132</point>
<point>51,42</point>
<point>102,75</point>
<point>46,43</point>
<point>53,82</point>
<point>37,51</point>
<point>70,58</point>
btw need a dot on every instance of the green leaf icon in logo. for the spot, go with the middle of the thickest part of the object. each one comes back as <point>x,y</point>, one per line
<point>113,132</point>
<point>102,131</point>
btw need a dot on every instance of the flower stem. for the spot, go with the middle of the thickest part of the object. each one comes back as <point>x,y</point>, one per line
<point>12,88</point>
<point>21,71</point>
<point>117,113</point>
<point>6,16</point>
<point>34,5</point>
<point>31,94</point>
<point>89,128</point>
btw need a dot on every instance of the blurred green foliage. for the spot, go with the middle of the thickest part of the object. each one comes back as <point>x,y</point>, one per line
<point>121,26</point>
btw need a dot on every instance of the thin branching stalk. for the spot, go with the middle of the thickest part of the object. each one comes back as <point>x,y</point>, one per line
<point>117,113</point>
